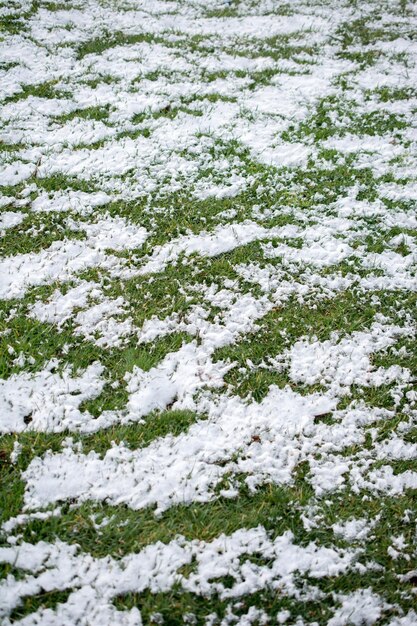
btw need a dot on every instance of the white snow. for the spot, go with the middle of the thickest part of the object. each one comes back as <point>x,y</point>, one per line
<point>66,258</point>
<point>95,582</point>
<point>339,363</point>
<point>9,219</point>
<point>48,399</point>
<point>273,160</point>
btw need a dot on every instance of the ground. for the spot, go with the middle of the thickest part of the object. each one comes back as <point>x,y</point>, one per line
<point>207,326</point>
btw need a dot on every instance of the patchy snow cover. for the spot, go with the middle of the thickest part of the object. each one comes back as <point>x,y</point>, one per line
<point>9,219</point>
<point>49,399</point>
<point>221,174</point>
<point>23,518</point>
<point>341,363</point>
<point>188,467</point>
<point>65,258</point>
<point>96,582</point>
<point>354,529</point>
<point>223,239</point>
<point>76,201</point>
<point>361,607</point>
<point>96,321</point>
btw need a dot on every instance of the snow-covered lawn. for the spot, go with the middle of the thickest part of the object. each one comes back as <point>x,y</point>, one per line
<point>208,308</point>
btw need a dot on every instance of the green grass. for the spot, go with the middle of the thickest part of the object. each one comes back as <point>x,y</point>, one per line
<point>109,40</point>
<point>278,509</point>
<point>98,113</point>
<point>284,325</point>
<point>308,197</point>
<point>37,232</point>
<point>43,90</point>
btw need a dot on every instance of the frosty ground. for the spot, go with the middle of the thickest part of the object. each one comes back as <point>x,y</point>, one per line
<point>208,295</point>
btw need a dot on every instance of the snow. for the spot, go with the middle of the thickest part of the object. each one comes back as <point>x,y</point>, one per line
<point>184,468</point>
<point>354,529</point>
<point>361,607</point>
<point>48,399</point>
<point>223,239</point>
<point>342,363</point>
<point>24,518</point>
<point>15,173</point>
<point>265,165</point>
<point>96,582</point>
<point>10,219</point>
<point>77,201</point>
<point>66,258</point>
